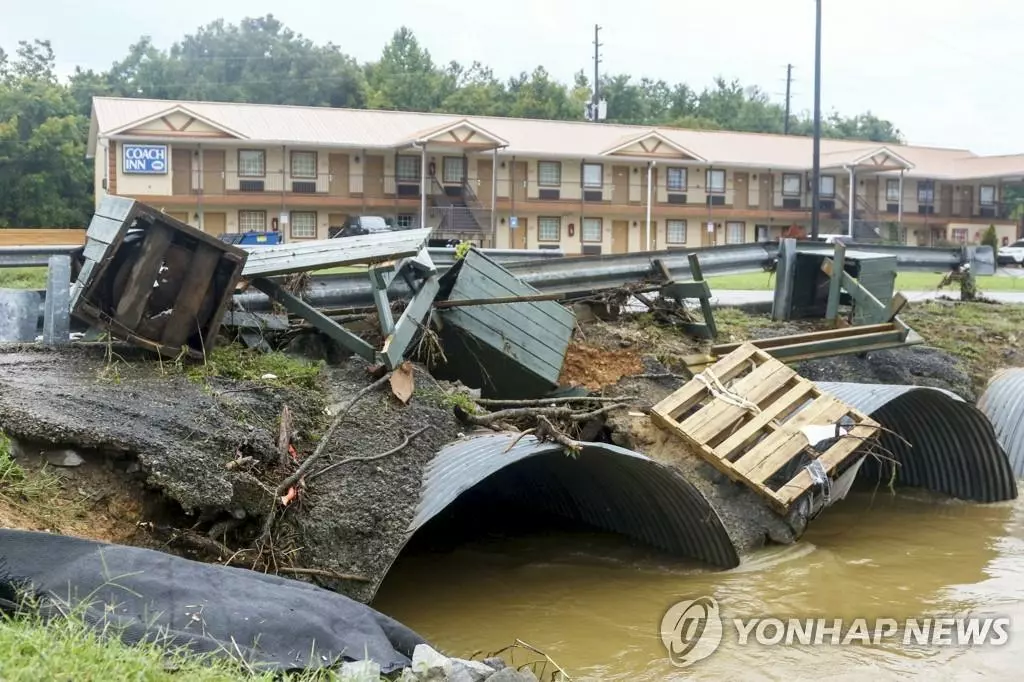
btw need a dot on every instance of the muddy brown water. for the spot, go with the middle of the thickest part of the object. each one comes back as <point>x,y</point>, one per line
<point>594,602</point>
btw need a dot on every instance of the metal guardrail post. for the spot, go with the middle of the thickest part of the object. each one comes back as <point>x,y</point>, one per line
<point>57,307</point>
<point>784,274</point>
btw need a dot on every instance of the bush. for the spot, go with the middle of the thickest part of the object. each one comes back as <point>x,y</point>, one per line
<point>990,238</point>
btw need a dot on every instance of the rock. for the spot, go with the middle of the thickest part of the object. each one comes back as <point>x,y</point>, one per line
<point>495,663</point>
<point>510,675</point>
<point>428,663</point>
<point>359,671</point>
<point>64,458</point>
<point>460,670</point>
<point>133,468</point>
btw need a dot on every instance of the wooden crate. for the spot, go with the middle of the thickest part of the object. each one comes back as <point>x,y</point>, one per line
<point>755,446</point>
<point>153,280</point>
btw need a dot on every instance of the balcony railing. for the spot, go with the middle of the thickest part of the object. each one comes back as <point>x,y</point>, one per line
<point>570,194</point>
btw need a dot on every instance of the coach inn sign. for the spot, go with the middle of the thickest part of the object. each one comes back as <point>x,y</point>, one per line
<point>149,159</point>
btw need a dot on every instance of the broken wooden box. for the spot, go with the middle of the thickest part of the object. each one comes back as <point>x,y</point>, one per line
<point>153,280</point>
<point>758,422</point>
<point>506,349</point>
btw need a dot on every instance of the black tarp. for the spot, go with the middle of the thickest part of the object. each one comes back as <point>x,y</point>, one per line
<point>275,623</point>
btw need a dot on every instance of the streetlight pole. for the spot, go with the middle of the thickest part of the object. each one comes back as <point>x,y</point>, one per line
<point>816,172</point>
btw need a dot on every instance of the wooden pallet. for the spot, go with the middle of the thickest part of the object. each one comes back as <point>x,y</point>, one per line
<point>754,446</point>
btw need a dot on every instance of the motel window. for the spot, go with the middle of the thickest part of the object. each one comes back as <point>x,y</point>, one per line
<point>303,224</point>
<point>252,221</point>
<point>827,186</point>
<point>716,181</point>
<point>987,195</point>
<point>405,220</point>
<point>549,173</point>
<point>549,229</point>
<point>454,170</point>
<point>960,235</point>
<point>591,230</point>
<point>303,164</point>
<point>675,232</point>
<point>892,191</point>
<point>735,233</point>
<point>792,185</point>
<point>676,179</point>
<point>407,168</point>
<point>252,163</point>
<point>593,175</point>
<point>926,192</point>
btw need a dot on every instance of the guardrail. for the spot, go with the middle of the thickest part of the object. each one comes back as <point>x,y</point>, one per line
<point>552,272</point>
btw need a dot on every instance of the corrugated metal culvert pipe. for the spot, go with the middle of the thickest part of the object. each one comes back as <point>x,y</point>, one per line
<point>943,444</point>
<point>1003,404</point>
<point>608,487</point>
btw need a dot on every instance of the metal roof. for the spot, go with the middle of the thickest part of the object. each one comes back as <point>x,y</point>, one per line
<point>1003,403</point>
<point>606,486</point>
<point>375,129</point>
<point>941,443</point>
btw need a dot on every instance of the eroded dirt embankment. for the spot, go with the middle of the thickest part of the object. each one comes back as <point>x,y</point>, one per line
<point>166,436</point>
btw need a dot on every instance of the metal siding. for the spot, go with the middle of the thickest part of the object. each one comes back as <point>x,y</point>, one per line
<point>1003,403</point>
<point>325,253</point>
<point>609,487</point>
<point>941,443</point>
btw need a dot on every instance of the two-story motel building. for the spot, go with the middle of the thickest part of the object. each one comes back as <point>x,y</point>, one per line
<point>520,183</point>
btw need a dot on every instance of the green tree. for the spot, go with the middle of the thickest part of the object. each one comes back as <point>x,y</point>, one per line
<point>991,238</point>
<point>405,78</point>
<point>44,178</point>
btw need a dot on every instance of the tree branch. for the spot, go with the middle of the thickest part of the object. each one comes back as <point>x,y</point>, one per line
<point>392,451</point>
<point>307,464</point>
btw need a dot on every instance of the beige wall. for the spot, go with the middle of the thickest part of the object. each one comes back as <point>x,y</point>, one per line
<point>132,183</point>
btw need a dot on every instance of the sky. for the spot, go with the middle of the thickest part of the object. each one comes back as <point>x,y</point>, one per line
<point>941,70</point>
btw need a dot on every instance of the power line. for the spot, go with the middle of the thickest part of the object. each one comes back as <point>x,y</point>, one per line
<point>595,104</point>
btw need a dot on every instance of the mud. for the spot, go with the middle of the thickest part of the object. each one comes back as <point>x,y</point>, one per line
<point>594,367</point>
<point>354,518</point>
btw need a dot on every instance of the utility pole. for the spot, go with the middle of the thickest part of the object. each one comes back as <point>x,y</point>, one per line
<point>597,60</point>
<point>816,171</point>
<point>789,82</point>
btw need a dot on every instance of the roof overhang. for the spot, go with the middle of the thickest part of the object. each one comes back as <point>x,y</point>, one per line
<point>462,133</point>
<point>654,145</point>
<point>176,132</point>
<point>875,160</point>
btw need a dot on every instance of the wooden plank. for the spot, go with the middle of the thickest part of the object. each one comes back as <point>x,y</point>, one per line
<point>705,302</point>
<point>776,341</point>
<point>783,432</point>
<point>793,441</point>
<point>139,286</point>
<point>397,343</point>
<point>830,459</point>
<point>198,281</point>
<point>899,301</point>
<point>755,387</point>
<point>499,281</point>
<point>779,409</point>
<point>725,369</point>
<point>681,290</point>
<point>297,306</point>
<point>832,310</point>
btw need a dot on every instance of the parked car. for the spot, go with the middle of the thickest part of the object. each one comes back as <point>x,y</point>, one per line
<point>361,225</point>
<point>1012,254</point>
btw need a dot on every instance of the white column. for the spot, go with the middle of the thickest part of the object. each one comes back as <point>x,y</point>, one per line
<point>423,184</point>
<point>494,199</point>
<point>851,199</point>
<point>899,205</point>
<point>650,165</point>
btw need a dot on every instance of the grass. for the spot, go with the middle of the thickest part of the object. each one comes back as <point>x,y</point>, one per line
<point>17,486</point>
<point>243,364</point>
<point>22,278</point>
<point>984,336</point>
<point>905,281</point>
<point>67,649</point>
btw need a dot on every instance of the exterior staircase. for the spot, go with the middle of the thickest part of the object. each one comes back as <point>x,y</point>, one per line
<point>461,215</point>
